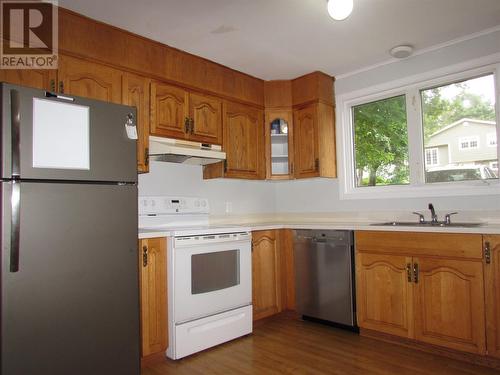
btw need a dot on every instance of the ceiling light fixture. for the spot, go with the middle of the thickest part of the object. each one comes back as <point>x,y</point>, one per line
<point>401,52</point>
<point>339,9</point>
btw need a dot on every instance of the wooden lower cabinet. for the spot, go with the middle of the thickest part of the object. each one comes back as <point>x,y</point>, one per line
<point>384,299</point>
<point>449,304</point>
<point>153,295</point>
<point>429,291</point>
<point>266,274</point>
<point>492,293</point>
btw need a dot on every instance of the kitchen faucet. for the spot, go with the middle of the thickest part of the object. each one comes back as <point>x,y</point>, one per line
<point>434,218</point>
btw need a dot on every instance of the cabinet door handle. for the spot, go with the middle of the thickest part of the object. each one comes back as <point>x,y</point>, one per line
<point>408,272</point>
<point>291,169</point>
<point>487,252</point>
<point>61,87</point>
<point>144,256</point>
<point>316,164</point>
<point>191,125</point>
<point>53,85</point>
<point>186,125</point>
<point>415,272</point>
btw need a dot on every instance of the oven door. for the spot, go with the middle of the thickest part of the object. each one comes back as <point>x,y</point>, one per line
<point>211,276</point>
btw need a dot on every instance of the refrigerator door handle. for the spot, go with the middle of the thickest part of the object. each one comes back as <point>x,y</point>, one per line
<point>15,113</point>
<point>15,201</point>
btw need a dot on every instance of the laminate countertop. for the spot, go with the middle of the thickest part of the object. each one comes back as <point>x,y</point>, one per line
<point>241,225</point>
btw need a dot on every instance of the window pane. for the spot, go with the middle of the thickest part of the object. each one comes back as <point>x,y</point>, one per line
<point>381,142</point>
<point>459,123</point>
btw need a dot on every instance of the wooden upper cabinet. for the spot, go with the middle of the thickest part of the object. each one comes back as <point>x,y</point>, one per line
<point>136,93</point>
<point>205,113</point>
<point>449,304</point>
<point>169,111</point>
<point>492,294</point>
<point>266,275</point>
<point>243,141</point>
<point>36,78</point>
<point>153,295</point>
<point>90,80</point>
<point>384,293</point>
<point>306,156</point>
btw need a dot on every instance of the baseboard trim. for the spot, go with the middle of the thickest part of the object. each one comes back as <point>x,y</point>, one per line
<point>434,349</point>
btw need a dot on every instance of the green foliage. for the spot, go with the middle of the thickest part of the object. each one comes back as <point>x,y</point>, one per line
<point>381,137</point>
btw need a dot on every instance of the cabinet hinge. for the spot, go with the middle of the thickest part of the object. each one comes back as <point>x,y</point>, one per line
<point>291,169</point>
<point>487,252</point>
<point>408,272</point>
<point>144,256</point>
<point>415,273</point>
<point>61,87</point>
<point>316,164</point>
<point>191,125</point>
<point>146,156</point>
<point>53,85</point>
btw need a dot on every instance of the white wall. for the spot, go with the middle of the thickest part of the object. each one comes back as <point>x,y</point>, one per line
<point>244,197</point>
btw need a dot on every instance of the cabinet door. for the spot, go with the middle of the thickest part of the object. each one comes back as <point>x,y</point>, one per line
<point>206,115</point>
<point>169,111</point>
<point>36,78</point>
<point>153,295</point>
<point>384,297</point>
<point>306,158</point>
<point>90,80</point>
<point>266,290</point>
<point>449,303</point>
<point>243,141</point>
<point>136,93</point>
<point>492,293</point>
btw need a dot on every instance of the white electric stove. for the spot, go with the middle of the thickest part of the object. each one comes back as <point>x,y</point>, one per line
<point>209,274</point>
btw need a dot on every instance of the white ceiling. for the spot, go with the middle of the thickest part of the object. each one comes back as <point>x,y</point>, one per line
<point>282,39</point>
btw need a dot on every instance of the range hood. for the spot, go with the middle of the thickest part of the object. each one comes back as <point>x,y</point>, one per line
<point>184,152</point>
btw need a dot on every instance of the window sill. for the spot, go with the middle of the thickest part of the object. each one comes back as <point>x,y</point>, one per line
<point>420,191</point>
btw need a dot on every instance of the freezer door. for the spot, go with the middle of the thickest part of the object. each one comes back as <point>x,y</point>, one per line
<point>45,137</point>
<point>73,305</point>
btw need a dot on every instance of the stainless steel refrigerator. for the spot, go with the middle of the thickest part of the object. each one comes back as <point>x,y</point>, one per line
<point>69,292</point>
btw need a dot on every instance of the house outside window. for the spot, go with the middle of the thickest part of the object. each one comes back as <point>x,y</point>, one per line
<point>491,140</point>
<point>468,143</point>
<point>431,157</point>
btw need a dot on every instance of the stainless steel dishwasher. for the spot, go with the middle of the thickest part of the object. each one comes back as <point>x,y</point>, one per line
<point>324,276</point>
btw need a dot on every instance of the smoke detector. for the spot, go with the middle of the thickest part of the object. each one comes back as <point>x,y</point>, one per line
<point>401,52</point>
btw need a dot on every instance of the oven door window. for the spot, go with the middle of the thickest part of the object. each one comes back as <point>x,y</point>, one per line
<point>214,271</point>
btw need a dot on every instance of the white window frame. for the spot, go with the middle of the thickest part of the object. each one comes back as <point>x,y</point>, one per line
<point>411,87</point>
<point>491,140</point>
<point>468,140</point>
<point>430,150</point>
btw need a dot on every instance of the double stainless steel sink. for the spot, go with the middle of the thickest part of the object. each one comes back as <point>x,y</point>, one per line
<point>433,223</point>
<point>428,224</point>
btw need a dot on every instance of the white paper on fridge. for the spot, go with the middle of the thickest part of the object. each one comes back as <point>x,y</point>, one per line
<point>61,135</point>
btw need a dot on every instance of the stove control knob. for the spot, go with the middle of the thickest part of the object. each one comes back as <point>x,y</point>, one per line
<point>197,203</point>
<point>203,203</point>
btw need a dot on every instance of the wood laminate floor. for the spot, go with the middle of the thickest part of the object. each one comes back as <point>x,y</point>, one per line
<point>286,345</point>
